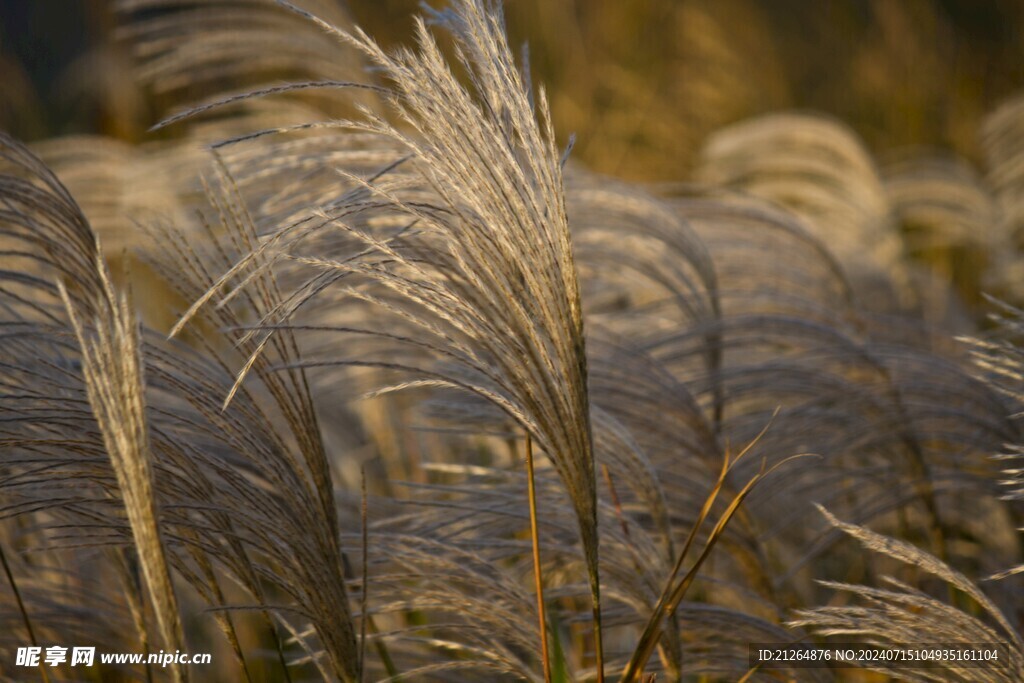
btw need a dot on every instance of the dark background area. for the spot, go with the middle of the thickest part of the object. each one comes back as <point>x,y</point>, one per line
<point>641,83</point>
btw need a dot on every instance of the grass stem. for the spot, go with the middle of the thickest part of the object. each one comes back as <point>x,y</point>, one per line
<point>21,608</point>
<point>365,607</point>
<point>538,579</point>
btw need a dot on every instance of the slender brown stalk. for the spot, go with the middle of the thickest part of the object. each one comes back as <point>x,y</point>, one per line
<point>21,608</point>
<point>366,625</point>
<point>747,676</point>
<point>365,604</point>
<point>538,580</point>
<point>615,501</point>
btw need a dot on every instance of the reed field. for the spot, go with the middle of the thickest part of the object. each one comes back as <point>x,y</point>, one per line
<point>549,342</point>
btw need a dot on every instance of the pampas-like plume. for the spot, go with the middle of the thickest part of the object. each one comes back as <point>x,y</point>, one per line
<point>267,513</point>
<point>112,366</point>
<point>905,616</point>
<point>43,223</point>
<point>488,280</point>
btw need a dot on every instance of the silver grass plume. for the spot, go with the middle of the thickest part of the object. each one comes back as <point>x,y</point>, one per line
<point>499,176</point>
<point>42,225</point>
<point>112,366</point>
<point>901,615</point>
<point>487,280</point>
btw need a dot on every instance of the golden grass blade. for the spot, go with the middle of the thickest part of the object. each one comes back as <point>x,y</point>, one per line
<point>673,592</point>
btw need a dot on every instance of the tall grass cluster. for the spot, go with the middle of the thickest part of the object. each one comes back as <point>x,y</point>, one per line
<point>351,373</point>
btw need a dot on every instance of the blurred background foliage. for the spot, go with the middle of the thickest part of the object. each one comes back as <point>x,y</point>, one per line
<point>641,83</point>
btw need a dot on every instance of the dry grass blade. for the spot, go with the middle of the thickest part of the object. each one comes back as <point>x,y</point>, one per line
<point>674,591</point>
